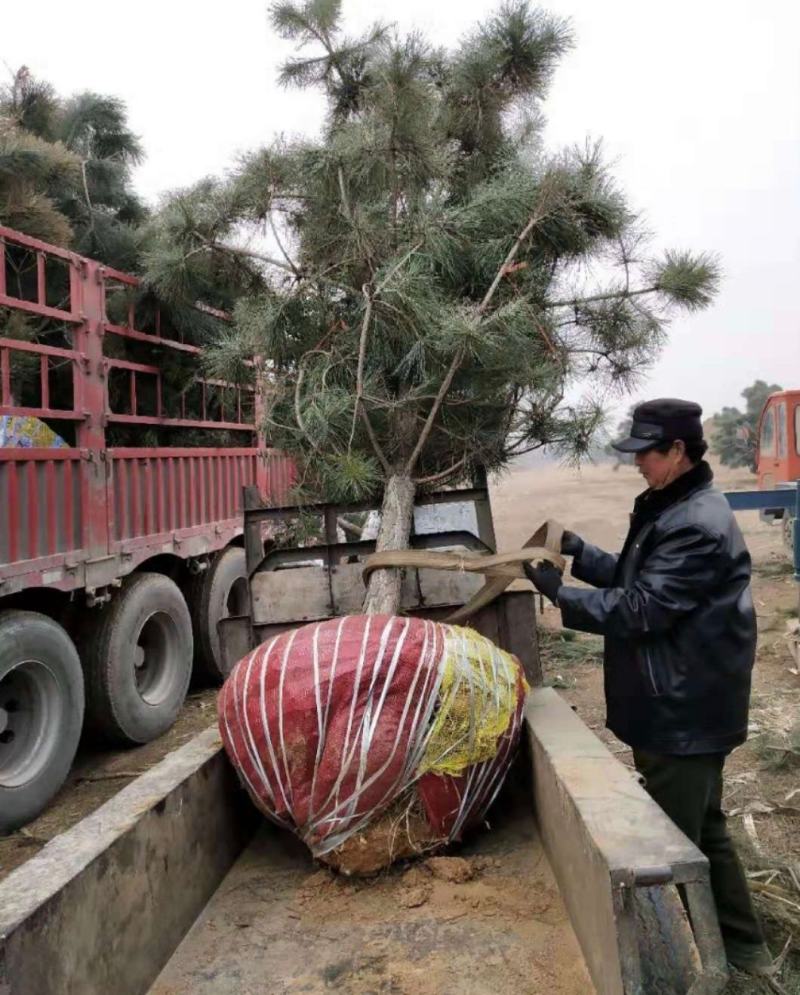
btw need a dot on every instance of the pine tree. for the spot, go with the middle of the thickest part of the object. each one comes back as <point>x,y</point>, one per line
<point>425,306</point>
<point>735,434</point>
<point>65,170</point>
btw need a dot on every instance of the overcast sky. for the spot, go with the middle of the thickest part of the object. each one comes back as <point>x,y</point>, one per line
<point>697,103</point>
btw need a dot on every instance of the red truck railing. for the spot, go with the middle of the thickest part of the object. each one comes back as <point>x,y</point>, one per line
<point>85,515</point>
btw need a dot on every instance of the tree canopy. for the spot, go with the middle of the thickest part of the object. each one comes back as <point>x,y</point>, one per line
<point>417,282</point>
<point>735,435</point>
<point>65,169</point>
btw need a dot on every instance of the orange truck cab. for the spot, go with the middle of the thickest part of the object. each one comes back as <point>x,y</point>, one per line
<point>779,440</point>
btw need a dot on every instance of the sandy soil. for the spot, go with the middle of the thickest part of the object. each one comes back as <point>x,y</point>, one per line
<point>488,920</point>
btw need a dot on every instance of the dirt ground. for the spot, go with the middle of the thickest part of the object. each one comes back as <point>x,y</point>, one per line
<point>488,920</point>
<point>762,778</point>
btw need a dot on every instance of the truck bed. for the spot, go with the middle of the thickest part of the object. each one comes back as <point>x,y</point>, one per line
<point>177,886</point>
<point>280,924</point>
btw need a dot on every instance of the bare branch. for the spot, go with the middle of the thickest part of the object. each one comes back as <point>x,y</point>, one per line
<point>238,250</point>
<point>345,200</point>
<point>612,296</point>
<point>284,253</point>
<point>458,358</point>
<point>86,194</point>
<point>436,477</point>
<point>375,444</point>
<point>362,352</point>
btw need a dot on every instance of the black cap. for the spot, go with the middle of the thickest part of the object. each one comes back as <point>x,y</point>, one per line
<point>662,420</point>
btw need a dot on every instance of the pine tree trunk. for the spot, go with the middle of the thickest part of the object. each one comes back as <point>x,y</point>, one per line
<point>383,593</point>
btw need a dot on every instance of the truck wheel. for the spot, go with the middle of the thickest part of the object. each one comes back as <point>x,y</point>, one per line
<point>215,594</point>
<point>138,661</point>
<point>41,713</point>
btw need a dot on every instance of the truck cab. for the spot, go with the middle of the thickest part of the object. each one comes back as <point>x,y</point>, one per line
<point>779,440</point>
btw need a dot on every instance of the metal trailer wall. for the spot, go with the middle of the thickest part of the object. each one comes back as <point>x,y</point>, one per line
<point>86,515</point>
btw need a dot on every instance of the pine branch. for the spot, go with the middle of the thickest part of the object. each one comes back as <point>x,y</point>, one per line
<point>280,245</point>
<point>395,269</point>
<point>460,353</point>
<point>298,414</point>
<point>443,475</point>
<point>616,295</point>
<point>362,352</point>
<point>375,444</point>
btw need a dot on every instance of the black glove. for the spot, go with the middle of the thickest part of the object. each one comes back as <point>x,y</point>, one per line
<point>571,544</point>
<point>545,578</point>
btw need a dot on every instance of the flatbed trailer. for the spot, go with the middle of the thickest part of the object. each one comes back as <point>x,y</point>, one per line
<point>116,561</point>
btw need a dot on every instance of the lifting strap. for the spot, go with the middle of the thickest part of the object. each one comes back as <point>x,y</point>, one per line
<point>499,569</point>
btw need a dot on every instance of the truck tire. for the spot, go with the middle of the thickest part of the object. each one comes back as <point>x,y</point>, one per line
<point>41,713</point>
<point>138,661</point>
<point>215,594</point>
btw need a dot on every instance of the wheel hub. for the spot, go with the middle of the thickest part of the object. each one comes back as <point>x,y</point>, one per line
<point>31,716</point>
<point>151,659</point>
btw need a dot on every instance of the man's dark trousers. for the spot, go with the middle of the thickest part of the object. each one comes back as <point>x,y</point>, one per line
<point>689,790</point>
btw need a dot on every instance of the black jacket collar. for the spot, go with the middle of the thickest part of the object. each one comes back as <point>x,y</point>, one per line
<point>650,504</point>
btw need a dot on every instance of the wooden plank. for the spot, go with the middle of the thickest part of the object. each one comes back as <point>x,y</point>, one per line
<point>303,594</point>
<point>604,836</point>
<point>278,597</point>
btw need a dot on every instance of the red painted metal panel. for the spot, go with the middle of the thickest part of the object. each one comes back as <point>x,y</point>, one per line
<point>5,377</point>
<point>12,235</point>
<point>13,513</point>
<point>41,284</point>
<point>44,378</point>
<point>92,501</point>
<point>132,333</point>
<point>120,475</point>
<point>69,535</point>
<point>45,413</point>
<point>177,422</point>
<point>178,452</point>
<point>194,478</point>
<point>20,345</point>
<point>172,508</point>
<point>26,455</point>
<point>33,510</point>
<point>160,521</point>
<point>134,498</point>
<point>148,500</point>
<point>33,308</point>
<point>52,507</point>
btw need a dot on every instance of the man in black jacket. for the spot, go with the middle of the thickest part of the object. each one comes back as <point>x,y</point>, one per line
<point>677,615</point>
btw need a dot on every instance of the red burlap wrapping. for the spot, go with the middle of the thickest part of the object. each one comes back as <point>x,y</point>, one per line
<point>329,727</point>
